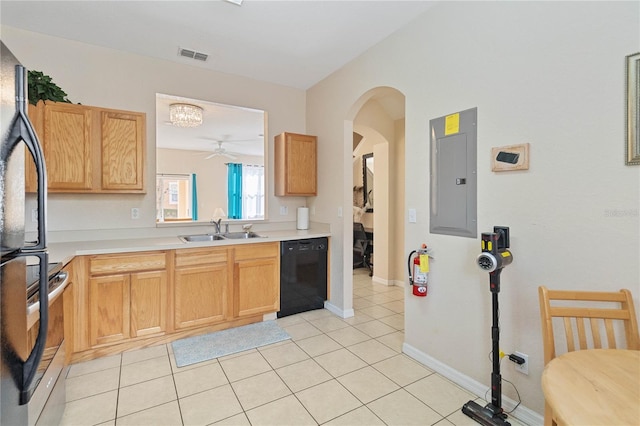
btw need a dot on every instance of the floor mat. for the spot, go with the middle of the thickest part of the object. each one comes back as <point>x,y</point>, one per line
<point>214,345</point>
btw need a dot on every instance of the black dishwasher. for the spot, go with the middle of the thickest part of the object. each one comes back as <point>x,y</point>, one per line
<point>303,275</point>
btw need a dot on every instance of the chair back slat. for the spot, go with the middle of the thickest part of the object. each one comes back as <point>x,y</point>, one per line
<point>595,332</point>
<point>563,311</point>
<point>568,330</point>
<point>611,337</point>
<point>582,335</point>
<point>586,316</point>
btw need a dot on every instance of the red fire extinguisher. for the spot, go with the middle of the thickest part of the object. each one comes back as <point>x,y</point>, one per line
<point>419,274</point>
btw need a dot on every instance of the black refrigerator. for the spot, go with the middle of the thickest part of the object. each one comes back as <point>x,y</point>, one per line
<point>19,361</point>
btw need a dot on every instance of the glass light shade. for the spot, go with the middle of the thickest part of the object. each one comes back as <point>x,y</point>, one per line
<point>219,213</point>
<point>185,115</point>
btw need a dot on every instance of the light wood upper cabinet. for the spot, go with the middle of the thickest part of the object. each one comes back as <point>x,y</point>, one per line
<point>296,165</point>
<point>256,283</point>
<point>89,149</point>
<point>122,151</point>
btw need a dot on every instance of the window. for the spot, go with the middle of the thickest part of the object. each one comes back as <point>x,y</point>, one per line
<point>245,191</point>
<point>175,197</point>
<point>252,191</point>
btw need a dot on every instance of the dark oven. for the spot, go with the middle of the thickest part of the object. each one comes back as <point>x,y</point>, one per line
<point>47,391</point>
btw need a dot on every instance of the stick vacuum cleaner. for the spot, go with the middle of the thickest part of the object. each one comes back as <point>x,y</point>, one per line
<point>494,257</point>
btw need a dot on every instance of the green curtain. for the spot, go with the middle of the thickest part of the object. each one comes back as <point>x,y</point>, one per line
<point>234,190</point>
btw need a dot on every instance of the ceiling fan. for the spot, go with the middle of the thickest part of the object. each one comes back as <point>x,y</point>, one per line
<point>220,152</point>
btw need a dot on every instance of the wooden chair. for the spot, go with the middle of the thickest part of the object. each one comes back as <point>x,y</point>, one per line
<point>590,319</point>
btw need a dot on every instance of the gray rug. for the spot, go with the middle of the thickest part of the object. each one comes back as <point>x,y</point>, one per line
<point>214,345</point>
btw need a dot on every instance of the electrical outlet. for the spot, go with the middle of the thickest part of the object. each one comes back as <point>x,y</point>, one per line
<point>34,215</point>
<point>523,368</point>
<point>339,211</point>
<point>284,210</point>
<point>135,213</point>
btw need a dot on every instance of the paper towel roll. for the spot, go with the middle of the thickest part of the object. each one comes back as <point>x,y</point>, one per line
<point>303,218</point>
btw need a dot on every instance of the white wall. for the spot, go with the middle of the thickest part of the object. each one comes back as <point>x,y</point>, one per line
<point>547,73</point>
<point>109,78</point>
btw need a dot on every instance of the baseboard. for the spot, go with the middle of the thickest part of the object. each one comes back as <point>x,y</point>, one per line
<point>522,413</point>
<point>270,316</point>
<point>342,313</point>
<point>388,283</point>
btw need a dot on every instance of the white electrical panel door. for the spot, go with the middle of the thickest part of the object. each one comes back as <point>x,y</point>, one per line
<point>453,203</point>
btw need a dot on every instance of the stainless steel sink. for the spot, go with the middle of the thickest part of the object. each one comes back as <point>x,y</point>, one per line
<point>200,237</point>
<point>240,235</point>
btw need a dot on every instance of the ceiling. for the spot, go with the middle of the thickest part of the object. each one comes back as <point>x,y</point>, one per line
<point>292,43</point>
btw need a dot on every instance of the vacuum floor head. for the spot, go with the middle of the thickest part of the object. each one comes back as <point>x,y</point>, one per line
<point>484,415</point>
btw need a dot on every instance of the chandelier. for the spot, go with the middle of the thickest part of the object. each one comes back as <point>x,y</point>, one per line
<point>185,115</point>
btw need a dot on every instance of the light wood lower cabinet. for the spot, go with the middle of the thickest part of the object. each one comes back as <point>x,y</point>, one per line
<point>148,299</point>
<point>200,287</point>
<point>127,296</point>
<point>256,279</point>
<point>127,300</point>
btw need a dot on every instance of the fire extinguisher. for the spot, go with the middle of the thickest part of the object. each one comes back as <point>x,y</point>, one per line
<point>419,274</point>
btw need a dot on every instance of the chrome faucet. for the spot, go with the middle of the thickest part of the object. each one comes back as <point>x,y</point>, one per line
<point>216,224</point>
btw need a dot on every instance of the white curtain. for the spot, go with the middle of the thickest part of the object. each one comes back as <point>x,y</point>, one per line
<point>252,192</point>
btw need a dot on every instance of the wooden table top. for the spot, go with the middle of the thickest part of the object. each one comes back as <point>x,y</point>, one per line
<point>594,387</point>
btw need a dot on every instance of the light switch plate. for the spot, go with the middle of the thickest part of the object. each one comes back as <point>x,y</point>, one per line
<point>412,216</point>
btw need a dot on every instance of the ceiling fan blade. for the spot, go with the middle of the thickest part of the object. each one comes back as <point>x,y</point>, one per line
<point>220,154</point>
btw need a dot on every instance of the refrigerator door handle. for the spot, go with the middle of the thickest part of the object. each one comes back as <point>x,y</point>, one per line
<point>30,366</point>
<point>22,130</point>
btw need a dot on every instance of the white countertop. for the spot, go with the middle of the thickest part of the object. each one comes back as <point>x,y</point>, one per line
<point>64,252</point>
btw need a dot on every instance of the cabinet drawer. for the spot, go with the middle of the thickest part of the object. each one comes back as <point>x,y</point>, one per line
<point>256,251</point>
<point>110,264</point>
<point>205,256</point>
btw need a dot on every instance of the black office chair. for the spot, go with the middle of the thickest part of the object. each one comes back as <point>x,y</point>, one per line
<point>362,248</point>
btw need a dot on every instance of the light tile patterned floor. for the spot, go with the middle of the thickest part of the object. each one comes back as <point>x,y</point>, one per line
<point>333,371</point>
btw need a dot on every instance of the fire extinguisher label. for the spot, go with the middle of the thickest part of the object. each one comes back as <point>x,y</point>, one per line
<point>421,278</point>
<point>424,263</point>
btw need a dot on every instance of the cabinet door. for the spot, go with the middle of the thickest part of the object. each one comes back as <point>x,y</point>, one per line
<point>256,286</point>
<point>148,303</point>
<point>67,146</point>
<point>295,165</point>
<point>200,295</point>
<point>122,151</point>
<point>109,312</point>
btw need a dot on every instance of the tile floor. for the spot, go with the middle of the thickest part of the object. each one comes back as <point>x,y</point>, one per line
<point>333,371</point>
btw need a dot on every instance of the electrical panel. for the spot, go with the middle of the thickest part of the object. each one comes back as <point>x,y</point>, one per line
<point>453,202</point>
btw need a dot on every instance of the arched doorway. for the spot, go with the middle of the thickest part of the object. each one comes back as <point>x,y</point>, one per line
<point>378,120</point>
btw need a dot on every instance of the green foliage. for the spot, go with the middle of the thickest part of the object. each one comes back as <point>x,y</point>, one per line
<point>41,87</point>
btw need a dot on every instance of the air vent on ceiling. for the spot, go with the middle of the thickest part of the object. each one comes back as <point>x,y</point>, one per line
<point>187,53</point>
